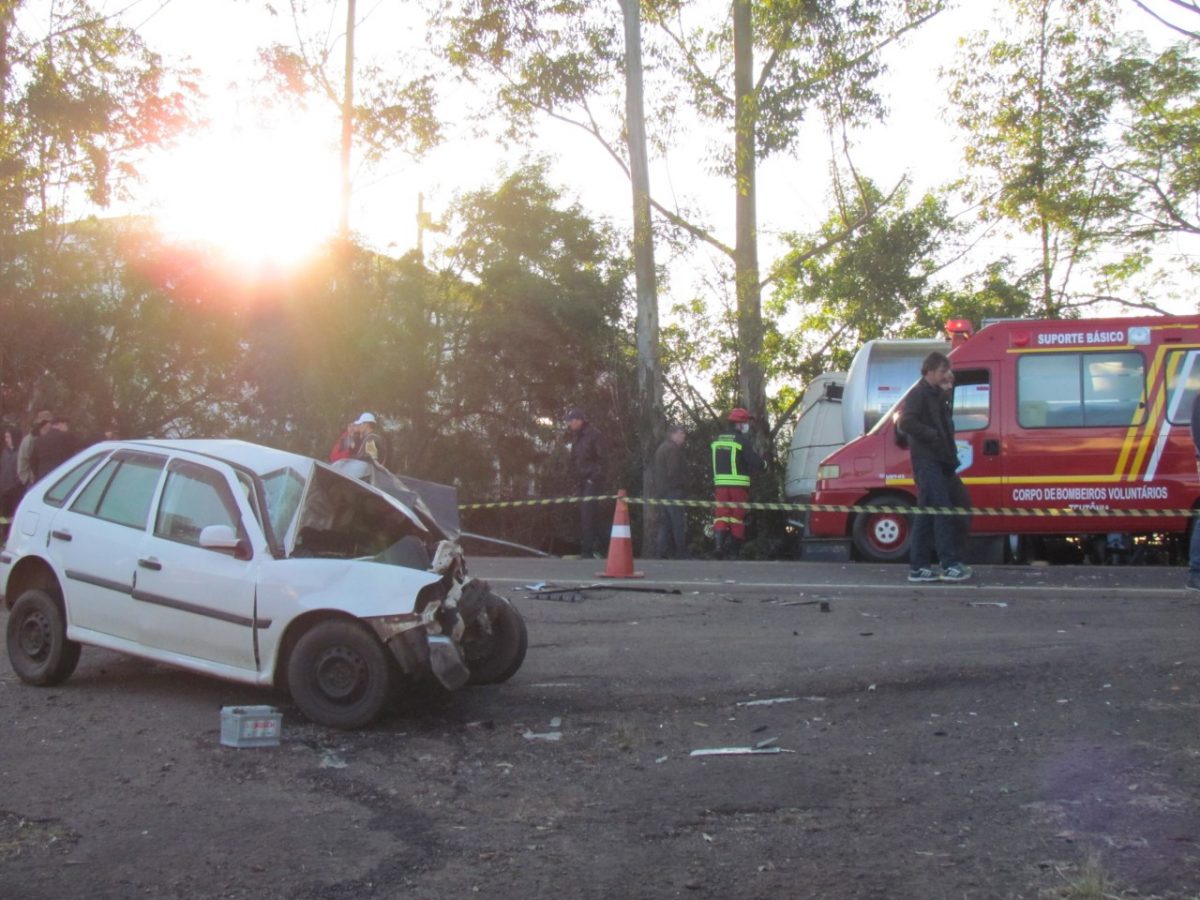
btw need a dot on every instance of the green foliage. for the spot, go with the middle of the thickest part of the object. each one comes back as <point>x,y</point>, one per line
<point>869,285</point>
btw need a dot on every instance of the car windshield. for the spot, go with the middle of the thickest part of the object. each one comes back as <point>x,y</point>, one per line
<point>345,519</point>
<point>283,489</point>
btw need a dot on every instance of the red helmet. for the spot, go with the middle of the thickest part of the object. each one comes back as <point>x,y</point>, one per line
<point>738,415</point>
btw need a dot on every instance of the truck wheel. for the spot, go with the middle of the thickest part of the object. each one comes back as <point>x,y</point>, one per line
<point>882,536</point>
<point>340,675</point>
<point>496,657</point>
<point>37,640</point>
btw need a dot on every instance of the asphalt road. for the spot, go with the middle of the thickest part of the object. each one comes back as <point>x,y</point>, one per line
<point>1028,734</point>
<point>847,578</point>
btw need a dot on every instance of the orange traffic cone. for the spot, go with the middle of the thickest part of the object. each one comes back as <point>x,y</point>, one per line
<point>620,546</point>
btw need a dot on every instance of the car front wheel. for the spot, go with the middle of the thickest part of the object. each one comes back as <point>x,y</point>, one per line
<point>496,656</point>
<point>340,675</point>
<point>37,640</point>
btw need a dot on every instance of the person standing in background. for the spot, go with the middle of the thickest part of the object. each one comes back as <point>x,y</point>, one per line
<point>733,462</point>
<point>670,483</point>
<point>588,461</point>
<point>1193,581</point>
<point>25,452</point>
<point>11,487</point>
<point>928,426</point>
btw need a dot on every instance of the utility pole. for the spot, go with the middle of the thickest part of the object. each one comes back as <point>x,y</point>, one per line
<point>347,123</point>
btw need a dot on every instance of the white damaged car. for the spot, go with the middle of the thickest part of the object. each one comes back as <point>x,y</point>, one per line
<point>252,564</point>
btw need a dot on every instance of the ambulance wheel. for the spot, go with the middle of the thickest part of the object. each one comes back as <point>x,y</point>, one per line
<point>882,536</point>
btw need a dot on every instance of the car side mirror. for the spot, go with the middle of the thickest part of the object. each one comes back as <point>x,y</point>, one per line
<point>222,537</point>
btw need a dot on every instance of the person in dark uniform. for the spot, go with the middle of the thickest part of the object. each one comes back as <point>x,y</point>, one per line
<point>588,461</point>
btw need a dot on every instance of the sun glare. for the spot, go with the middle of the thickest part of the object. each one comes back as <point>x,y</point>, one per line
<point>259,196</point>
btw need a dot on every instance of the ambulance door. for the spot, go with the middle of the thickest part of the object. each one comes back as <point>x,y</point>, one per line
<point>977,435</point>
<point>1079,418</point>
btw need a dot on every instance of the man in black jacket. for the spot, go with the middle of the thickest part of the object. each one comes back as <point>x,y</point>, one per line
<point>588,459</point>
<point>928,426</point>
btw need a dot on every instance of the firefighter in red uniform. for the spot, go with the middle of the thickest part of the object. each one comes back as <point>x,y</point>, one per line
<point>733,461</point>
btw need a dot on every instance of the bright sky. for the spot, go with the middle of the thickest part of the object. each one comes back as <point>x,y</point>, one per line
<point>270,189</point>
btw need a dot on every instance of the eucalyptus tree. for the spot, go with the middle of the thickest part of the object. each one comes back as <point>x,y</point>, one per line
<point>751,71</point>
<point>381,111</point>
<point>1085,139</point>
<point>1034,106</point>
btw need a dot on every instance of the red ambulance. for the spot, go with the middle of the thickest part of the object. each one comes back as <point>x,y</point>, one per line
<point>1048,415</point>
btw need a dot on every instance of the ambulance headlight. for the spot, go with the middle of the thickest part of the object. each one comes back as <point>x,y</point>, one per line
<point>829,470</point>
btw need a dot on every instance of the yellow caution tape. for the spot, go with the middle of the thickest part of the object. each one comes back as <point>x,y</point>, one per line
<point>861,508</point>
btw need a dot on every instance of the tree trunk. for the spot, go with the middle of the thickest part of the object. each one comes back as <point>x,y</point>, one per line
<point>749,291</point>
<point>649,375</point>
<point>347,124</point>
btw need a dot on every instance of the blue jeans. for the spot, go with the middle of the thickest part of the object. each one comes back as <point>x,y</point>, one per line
<point>589,514</point>
<point>938,486</point>
<point>1194,550</point>
<point>672,530</point>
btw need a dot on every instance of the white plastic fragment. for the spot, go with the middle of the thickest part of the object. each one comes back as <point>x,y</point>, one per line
<point>542,735</point>
<point>738,751</point>
<point>767,702</point>
<point>332,761</point>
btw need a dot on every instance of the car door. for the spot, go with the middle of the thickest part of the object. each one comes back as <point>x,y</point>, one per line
<point>198,601</point>
<point>96,540</point>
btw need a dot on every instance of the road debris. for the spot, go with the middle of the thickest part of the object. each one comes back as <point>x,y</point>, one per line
<point>1000,603</point>
<point>738,751</point>
<point>541,735</point>
<point>768,702</point>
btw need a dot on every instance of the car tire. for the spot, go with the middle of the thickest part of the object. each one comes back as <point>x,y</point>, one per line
<point>496,657</point>
<point>340,675</point>
<point>38,648</point>
<point>883,536</point>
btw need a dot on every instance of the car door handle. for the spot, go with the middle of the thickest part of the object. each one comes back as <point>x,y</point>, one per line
<point>61,535</point>
<point>991,447</point>
<point>152,564</point>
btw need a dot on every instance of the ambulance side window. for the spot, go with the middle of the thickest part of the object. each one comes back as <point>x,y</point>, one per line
<point>1183,383</point>
<point>972,399</point>
<point>1064,390</point>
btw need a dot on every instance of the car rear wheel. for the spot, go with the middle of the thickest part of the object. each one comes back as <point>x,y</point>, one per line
<point>37,640</point>
<point>883,536</point>
<point>340,675</point>
<point>496,657</point>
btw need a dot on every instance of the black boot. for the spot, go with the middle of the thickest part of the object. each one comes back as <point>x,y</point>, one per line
<point>720,541</point>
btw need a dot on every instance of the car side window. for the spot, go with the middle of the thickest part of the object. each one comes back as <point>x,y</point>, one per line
<point>193,498</point>
<point>61,489</point>
<point>122,490</point>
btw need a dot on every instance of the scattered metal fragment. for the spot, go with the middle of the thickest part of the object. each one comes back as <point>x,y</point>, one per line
<point>564,595</point>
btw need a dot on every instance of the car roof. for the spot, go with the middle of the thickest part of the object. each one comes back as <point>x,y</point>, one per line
<point>255,457</point>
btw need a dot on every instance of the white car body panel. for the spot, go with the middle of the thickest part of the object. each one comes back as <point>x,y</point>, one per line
<point>127,589</point>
